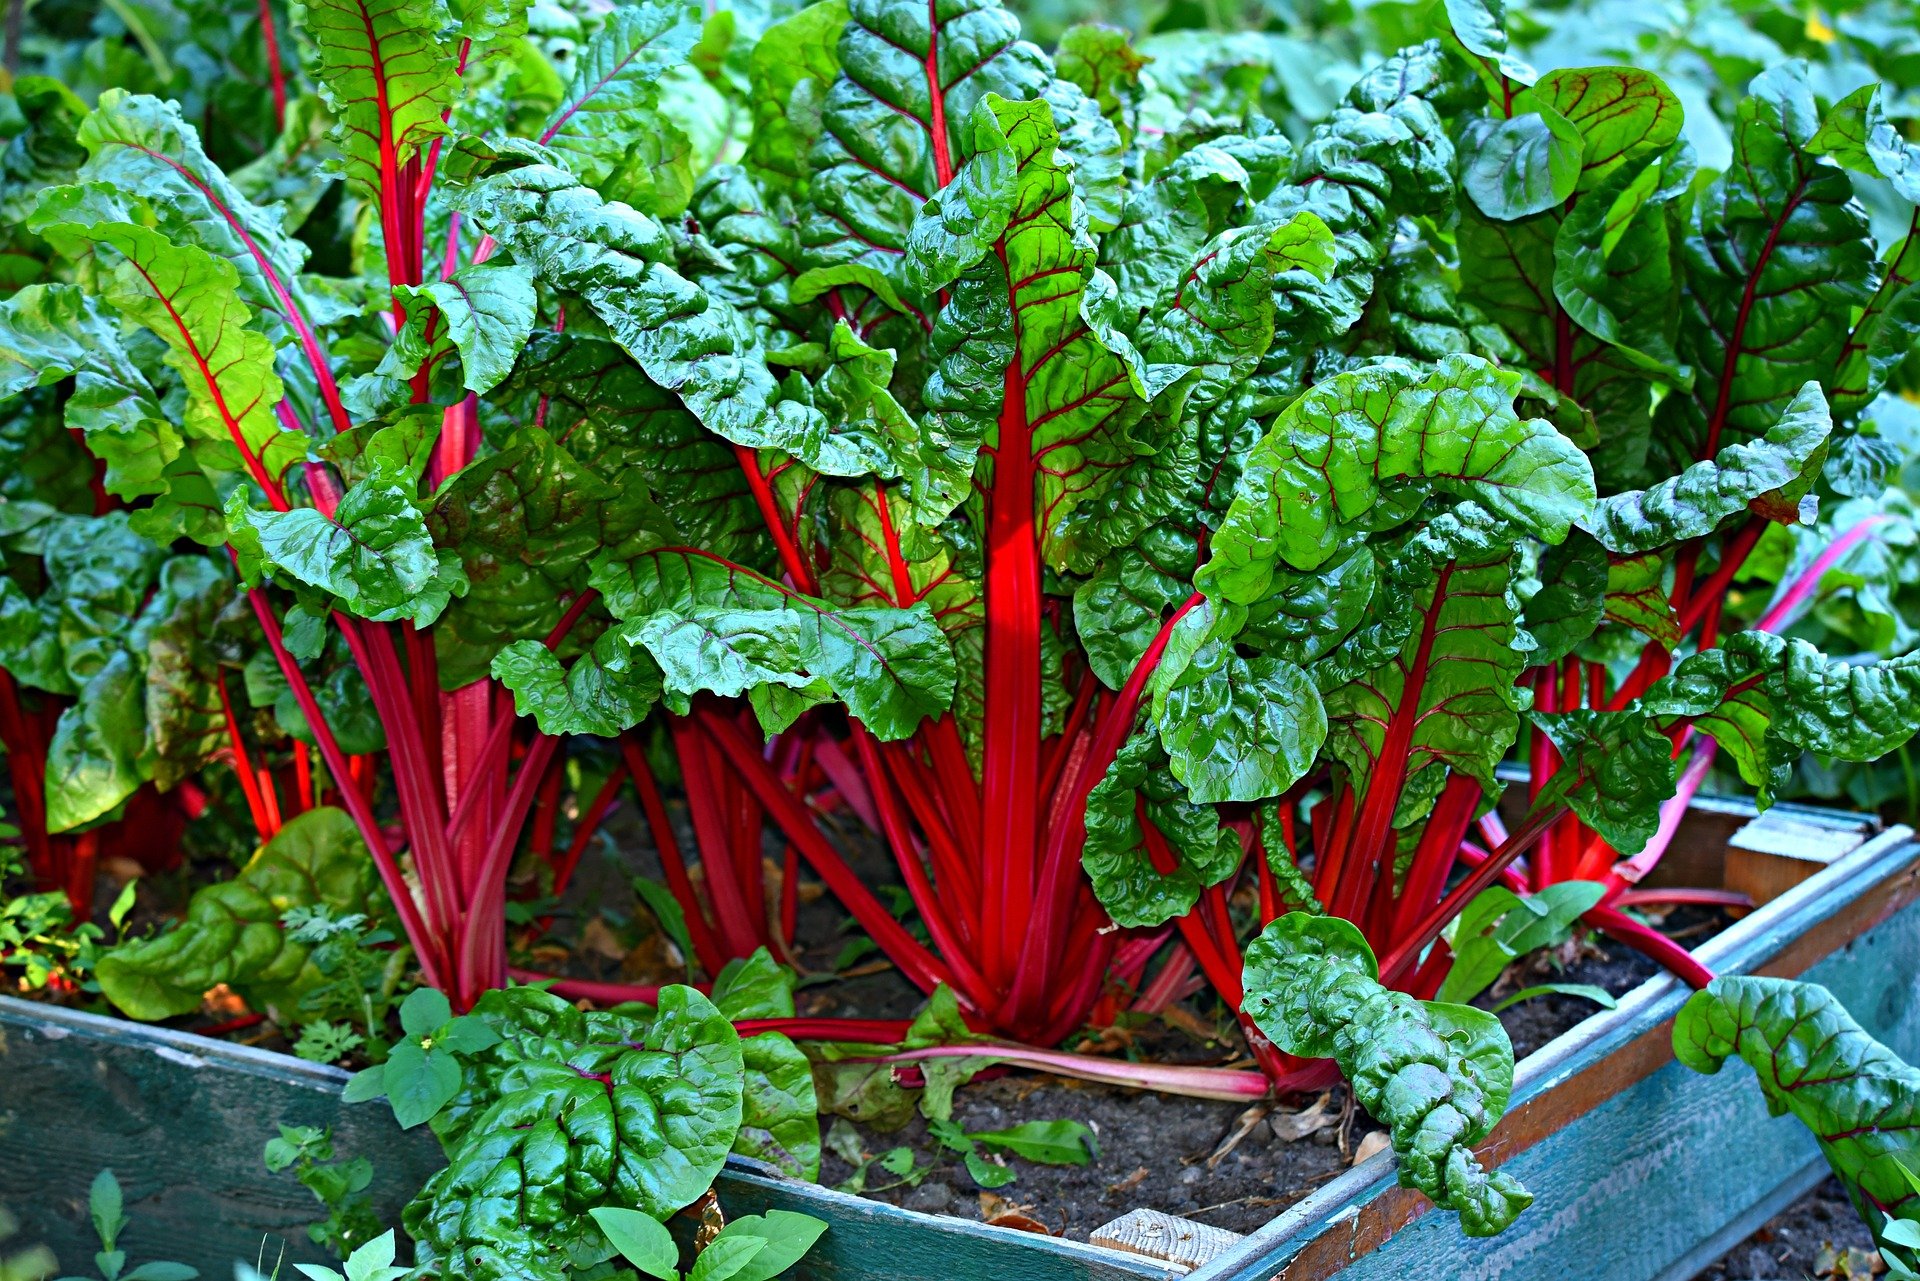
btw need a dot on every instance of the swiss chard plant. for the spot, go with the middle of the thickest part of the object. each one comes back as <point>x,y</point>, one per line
<point>558,1125</point>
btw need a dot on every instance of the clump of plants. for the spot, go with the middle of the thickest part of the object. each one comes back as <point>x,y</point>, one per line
<point>1157,524</point>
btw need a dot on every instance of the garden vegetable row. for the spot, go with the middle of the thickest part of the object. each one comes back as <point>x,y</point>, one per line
<point>1156,526</point>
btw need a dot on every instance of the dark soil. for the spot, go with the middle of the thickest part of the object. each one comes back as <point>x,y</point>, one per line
<point>1154,1151</point>
<point>1158,1152</point>
<point>1817,1236</point>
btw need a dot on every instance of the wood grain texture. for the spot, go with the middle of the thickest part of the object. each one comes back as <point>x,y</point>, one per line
<point>182,1120</point>
<point>1636,1162</point>
<point>1165,1236</point>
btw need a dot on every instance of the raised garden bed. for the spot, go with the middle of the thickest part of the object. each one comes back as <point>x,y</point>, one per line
<point>1601,1116</point>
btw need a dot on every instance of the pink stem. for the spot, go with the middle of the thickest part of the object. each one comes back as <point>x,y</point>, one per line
<point>1672,811</point>
<point>1167,1078</point>
<point>1787,605</point>
<point>1702,897</point>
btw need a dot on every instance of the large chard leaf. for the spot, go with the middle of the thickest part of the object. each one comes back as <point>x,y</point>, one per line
<point>1026,325</point>
<point>232,931</point>
<point>896,125</point>
<point>1777,255</point>
<point>608,128</point>
<point>1766,475</point>
<point>1857,134</point>
<point>1326,467</point>
<point>526,521</point>
<point>1235,728</point>
<point>716,626</point>
<point>639,1110</point>
<point>191,300</point>
<point>780,1111</point>
<point>616,423</point>
<point>1860,1100</point>
<point>1447,592</point>
<point>1436,1075</point>
<point>608,689</point>
<point>52,332</point>
<point>698,347</point>
<point>388,79</point>
<point>1766,698</point>
<point>140,144</point>
<point>794,63</point>
<point>484,311</point>
<point>373,554</point>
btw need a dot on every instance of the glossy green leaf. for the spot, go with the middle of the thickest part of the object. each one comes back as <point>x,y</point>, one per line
<point>1436,1075</point>
<point>386,76</point>
<point>632,1110</point>
<point>232,930</point>
<point>1749,476</point>
<point>1812,1059</point>
<point>1150,849</point>
<point>485,310</point>
<point>374,554</point>
<point>716,626</point>
<point>1322,467</point>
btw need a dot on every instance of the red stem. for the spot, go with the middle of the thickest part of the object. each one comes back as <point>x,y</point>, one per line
<point>1650,942</point>
<point>276,74</point>
<point>1060,865</point>
<point>706,948</point>
<point>792,818</point>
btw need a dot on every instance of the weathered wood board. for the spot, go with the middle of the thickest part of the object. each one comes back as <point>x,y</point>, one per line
<point>1642,1170</point>
<point>182,1122</point>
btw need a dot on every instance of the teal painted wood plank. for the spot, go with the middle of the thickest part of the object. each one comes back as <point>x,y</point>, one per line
<point>1654,1181</point>
<point>181,1120</point>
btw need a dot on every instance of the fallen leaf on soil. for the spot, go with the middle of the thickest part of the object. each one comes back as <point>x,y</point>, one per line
<point>122,869</point>
<point>1243,1125</point>
<point>1373,1142</point>
<point>1129,1183</point>
<point>1319,1115</point>
<point>598,938</point>
<point>654,959</point>
<point>1192,1024</point>
<point>994,1206</point>
<point>1019,1223</point>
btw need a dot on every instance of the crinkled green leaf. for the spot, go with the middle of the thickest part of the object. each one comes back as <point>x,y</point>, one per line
<point>51,332</point>
<point>1436,1075</point>
<point>696,346</point>
<point>1858,1098</point>
<point>1146,877</point>
<point>1521,164</point>
<point>1441,700</point>
<point>635,1109</point>
<point>1777,255</point>
<point>1234,728</point>
<point>485,310</point>
<point>374,554</point>
<point>716,626</point>
<point>1325,465</point>
<point>792,66</point>
<point>1746,476</point>
<point>608,689</point>
<point>1765,699</point>
<point>191,300</point>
